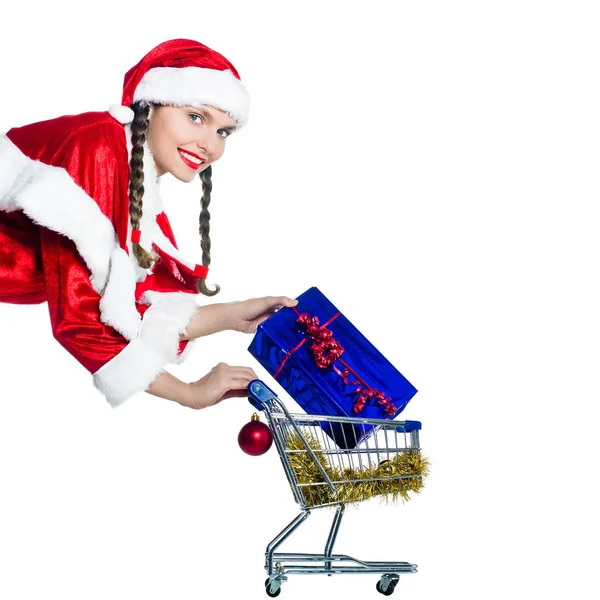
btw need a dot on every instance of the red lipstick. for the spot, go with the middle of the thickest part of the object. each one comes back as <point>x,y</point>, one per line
<point>188,162</point>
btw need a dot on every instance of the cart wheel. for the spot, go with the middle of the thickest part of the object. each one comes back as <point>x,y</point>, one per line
<point>269,588</point>
<point>390,588</point>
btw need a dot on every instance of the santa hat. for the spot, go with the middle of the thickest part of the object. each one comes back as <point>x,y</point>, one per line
<point>184,73</point>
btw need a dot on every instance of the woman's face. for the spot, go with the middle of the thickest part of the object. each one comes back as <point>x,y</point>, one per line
<point>180,137</point>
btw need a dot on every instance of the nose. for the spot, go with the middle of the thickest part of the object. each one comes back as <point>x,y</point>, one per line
<point>207,141</point>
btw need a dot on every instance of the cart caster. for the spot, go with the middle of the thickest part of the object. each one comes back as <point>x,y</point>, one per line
<point>386,585</point>
<point>273,588</point>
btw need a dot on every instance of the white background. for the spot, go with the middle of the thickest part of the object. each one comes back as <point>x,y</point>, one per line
<point>432,167</point>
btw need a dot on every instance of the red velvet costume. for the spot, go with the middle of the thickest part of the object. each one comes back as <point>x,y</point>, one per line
<point>65,238</point>
<point>86,160</point>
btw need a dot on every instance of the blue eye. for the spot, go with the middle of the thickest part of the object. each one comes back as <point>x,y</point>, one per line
<point>201,119</point>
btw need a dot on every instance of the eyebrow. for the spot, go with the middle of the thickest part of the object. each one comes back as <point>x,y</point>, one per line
<point>210,119</point>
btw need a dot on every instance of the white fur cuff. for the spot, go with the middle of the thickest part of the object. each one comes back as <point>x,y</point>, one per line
<point>167,318</point>
<point>143,359</point>
<point>130,372</point>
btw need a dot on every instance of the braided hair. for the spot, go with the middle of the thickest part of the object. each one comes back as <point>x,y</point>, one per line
<point>139,130</point>
<point>204,220</point>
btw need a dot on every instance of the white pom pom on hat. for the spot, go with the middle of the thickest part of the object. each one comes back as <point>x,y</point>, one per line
<point>123,114</point>
<point>184,73</point>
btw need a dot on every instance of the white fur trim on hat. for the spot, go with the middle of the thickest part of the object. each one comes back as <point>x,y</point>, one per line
<point>195,86</point>
<point>123,114</point>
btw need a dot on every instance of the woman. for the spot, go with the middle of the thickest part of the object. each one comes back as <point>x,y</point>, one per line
<point>82,226</point>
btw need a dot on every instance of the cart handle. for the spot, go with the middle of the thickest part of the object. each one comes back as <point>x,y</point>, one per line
<point>260,394</point>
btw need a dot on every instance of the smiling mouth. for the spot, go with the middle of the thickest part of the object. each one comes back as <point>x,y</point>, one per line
<point>192,161</point>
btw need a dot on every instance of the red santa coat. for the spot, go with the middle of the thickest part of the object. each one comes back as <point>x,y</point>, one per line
<point>65,239</point>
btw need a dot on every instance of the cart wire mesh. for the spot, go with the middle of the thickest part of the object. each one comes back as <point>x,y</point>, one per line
<point>327,472</point>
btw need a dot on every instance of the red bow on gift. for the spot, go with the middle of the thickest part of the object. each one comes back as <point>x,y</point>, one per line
<point>326,351</point>
<point>324,348</point>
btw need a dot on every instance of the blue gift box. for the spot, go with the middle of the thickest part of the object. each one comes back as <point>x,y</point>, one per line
<point>291,344</point>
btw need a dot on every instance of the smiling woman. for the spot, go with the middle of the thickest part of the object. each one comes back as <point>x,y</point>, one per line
<point>186,140</point>
<point>82,226</point>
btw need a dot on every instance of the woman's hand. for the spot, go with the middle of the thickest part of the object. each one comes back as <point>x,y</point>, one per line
<point>249,314</point>
<point>220,383</point>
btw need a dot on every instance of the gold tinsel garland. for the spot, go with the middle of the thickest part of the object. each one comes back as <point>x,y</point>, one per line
<point>392,479</point>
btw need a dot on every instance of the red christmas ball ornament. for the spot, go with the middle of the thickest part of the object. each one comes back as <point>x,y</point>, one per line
<point>255,438</point>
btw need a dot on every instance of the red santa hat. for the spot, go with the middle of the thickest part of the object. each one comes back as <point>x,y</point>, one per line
<point>184,73</point>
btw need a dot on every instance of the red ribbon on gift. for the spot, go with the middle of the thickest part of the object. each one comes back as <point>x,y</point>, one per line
<point>326,351</point>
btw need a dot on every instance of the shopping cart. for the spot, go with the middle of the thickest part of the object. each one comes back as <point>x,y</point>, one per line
<point>300,436</point>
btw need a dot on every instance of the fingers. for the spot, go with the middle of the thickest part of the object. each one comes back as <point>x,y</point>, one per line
<point>269,304</point>
<point>283,300</point>
<point>287,301</point>
<point>236,373</point>
<point>236,370</point>
<point>241,393</point>
<point>277,302</point>
<point>241,377</point>
<point>236,382</point>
